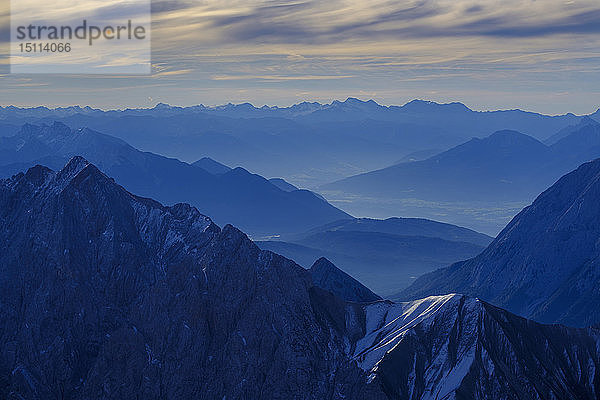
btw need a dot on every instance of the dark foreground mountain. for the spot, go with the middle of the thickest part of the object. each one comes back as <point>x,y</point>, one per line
<point>545,265</point>
<point>108,295</point>
<point>230,196</point>
<point>385,255</point>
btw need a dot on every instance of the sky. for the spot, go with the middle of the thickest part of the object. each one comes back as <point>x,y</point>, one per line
<point>541,55</point>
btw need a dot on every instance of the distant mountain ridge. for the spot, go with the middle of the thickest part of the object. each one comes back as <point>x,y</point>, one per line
<point>567,131</point>
<point>499,166</point>
<point>212,166</point>
<point>307,144</point>
<point>403,227</point>
<point>244,110</point>
<point>384,255</point>
<point>236,196</point>
<point>545,263</point>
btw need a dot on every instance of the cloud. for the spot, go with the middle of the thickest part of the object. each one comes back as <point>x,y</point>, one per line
<point>278,51</point>
<point>315,21</point>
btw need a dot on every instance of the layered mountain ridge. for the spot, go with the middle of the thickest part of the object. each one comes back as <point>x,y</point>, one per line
<point>385,255</point>
<point>308,144</point>
<point>231,196</point>
<point>481,183</point>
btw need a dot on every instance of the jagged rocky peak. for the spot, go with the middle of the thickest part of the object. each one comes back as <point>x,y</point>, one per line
<point>327,276</point>
<point>105,294</point>
<point>40,176</point>
<point>75,166</point>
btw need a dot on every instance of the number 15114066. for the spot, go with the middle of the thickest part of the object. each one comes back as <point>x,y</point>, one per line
<point>45,47</point>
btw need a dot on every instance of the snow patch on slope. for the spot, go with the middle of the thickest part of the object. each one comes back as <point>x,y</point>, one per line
<point>387,323</point>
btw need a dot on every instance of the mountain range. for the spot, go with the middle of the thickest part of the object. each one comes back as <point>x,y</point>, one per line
<point>307,144</point>
<point>544,265</point>
<point>105,294</point>
<point>229,195</point>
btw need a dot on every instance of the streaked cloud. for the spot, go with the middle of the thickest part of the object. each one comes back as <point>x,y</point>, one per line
<point>315,21</point>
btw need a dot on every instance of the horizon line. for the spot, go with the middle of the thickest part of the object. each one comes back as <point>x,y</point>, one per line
<point>282,107</point>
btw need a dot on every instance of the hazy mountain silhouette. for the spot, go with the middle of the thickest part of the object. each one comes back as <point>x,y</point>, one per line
<point>500,166</point>
<point>385,255</point>
<point>237,196</point>
<point>306,144</point>
<point>481,184</point>
<point>563,133</point>
<point>283,185</point>
<point>402,227</point>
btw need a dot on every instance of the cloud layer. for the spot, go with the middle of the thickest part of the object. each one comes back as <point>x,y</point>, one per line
<point>542,55</point>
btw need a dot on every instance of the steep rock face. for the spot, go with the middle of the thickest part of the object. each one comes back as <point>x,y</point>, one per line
<point>327,276</point>
<point>545,264</point>
<point>108,295</point>
<point>454,347</point>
